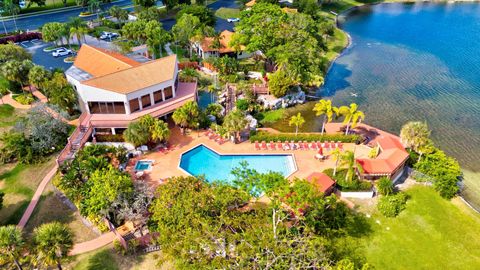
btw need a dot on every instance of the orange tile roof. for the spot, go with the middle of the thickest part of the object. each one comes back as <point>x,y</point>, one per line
<point>289,10</point>
<point>391,157</point>
<point>250,3</point>
<point>138,77</point>
<point>321,180</point>
<point>99,62</point>
<point>225,38</point>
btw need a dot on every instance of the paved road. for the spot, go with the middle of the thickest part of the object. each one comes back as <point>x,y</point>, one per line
<point>35,21</point>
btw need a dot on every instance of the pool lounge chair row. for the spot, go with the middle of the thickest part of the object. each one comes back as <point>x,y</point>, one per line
<point>297,145</point>
<point>215,137</point>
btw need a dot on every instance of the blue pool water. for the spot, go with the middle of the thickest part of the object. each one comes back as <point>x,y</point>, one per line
<point>143,165</point>
<point>415,62</point>
<point>201,160</point>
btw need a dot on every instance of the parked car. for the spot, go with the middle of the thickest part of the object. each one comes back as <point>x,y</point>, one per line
<point>22,4</point>
<point>61,52</point>
<point>108,35</point>
<point>233,20</point>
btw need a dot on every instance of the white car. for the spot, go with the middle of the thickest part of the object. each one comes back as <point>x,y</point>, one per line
<point>233,20</point>
<point>61,52</point>
<point>109,35</point>
<point>22,4</point>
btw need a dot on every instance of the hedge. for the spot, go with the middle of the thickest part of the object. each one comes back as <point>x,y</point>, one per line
<point>391,206</point>
<point>309,137</point>
<point>20,37</point>
<point>109,138</point>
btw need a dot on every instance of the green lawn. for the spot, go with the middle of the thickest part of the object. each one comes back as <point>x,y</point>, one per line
<point>336,44</point>
<point>19,182</point>
<point>271,116</point>
<point>226,13</point>
<point>108,259</point>
<point>432,233</point>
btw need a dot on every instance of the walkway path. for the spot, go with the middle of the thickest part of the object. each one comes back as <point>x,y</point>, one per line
<point>7,99</point>
<point>36,197</point>
<point>96,243</point>
<point>168,49</point>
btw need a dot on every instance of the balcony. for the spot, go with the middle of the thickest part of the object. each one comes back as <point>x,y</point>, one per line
<point>185,92</point>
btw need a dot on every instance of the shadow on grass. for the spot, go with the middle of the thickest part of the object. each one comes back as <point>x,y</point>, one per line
<point>100,260</point>
<point>359,226</point>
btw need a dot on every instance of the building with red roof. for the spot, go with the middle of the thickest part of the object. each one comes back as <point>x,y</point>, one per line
<point>390,161</point>
<point>323,182</point>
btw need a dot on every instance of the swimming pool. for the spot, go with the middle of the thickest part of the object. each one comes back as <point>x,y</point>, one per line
<point>201,160</point>
<point>143,165</point>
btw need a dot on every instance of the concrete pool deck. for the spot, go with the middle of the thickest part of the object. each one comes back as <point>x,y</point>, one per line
<point>166,163</point>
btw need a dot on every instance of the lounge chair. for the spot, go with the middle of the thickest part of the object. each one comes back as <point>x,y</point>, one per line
<point>306,146</point>
<point>279,145</point>
<point>257,146</point>
<point>293,146</point>
<point>340,145</point>
<point>272,145</point>
<point>324,145</point>
<point>319,145</point>
<point>300,145</point>
<point>264,145</point>
<point>313,146</point>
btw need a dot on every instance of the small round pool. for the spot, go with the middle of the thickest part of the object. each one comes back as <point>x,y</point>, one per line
<point>143,165</point>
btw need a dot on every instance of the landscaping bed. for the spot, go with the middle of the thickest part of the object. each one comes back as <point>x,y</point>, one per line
<point>348,186</point>
<point>309,137</point>
<point>24,99</point>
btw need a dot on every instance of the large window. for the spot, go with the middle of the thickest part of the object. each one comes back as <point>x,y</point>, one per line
<point>106,107</point>
<point>157,96</point>
<point>134,105</point>
<point>146,101</point>
<point>168,92</point>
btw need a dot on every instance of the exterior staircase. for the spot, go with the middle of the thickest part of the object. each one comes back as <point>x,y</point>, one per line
<point>78,138</point>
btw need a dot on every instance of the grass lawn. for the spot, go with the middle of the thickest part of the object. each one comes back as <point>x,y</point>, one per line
<point>19,183</point>
<point>271,116</point>
<point>336,44</point>
<point>107,259</point>
<point>226,13</point>
<point>51,208</point>
<point>432,233</point>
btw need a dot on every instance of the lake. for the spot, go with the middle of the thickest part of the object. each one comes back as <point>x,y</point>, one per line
<point>414,62</point>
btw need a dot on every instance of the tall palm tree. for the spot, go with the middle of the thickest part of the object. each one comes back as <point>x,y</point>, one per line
<point>53,242</point>
<point>416,136</point>
<point>324,107</point>
<point>297,121</point>
<point>11,244</point>
<point>12,9</point>
<point>79,33</point>
<point>352,116</point>
<point>347,160</point>
<point>234,122</point>
<point>336,156</point>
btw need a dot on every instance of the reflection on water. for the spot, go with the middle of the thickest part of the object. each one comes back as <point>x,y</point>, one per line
<point>414,62</point>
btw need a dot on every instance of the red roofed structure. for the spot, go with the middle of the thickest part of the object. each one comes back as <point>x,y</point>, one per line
<point>322,181</point>
<point>390,161</point>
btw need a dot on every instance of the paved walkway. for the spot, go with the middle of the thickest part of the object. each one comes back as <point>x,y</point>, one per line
<point>7,99</point>
<point>168,49</point>
<point>96,243</point>
<point>36,197</point>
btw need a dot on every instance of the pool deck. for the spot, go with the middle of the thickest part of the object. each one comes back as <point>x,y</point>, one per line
<point>166,163</point>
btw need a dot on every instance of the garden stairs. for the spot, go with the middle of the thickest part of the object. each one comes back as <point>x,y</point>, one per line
<point>78,138</point>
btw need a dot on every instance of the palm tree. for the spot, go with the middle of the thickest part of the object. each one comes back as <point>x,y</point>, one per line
<point>79,33</point>
<point>180,117</point>
<point>416,136</point>
<point>137,133</point>
<point>53,242</point>
<point>297,121</point>
<point>351,115</point>
<point>12,9</point>
<point>11,244</point>
<point>324,107</point>
<point>234,122</point>
<point>336,156</point>
<point>38,76</point>
<point>159,131</point>
<point>347,160</point>
<point>94,6</point>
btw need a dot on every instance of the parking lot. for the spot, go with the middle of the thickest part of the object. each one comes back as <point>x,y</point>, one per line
<point>35,47</point>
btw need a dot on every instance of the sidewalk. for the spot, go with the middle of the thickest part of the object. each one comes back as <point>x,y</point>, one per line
<point>36,197</point>
<point>96,243</point>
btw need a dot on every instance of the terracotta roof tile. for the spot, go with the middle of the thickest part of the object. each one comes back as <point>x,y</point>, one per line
<point>225,38</point>
<point>321,180</point>
<point>392,156</point>
<point>138,77</point>
<point>99,62</point>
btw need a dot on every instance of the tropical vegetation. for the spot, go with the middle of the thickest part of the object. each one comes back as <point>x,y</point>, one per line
<point>146,130</point>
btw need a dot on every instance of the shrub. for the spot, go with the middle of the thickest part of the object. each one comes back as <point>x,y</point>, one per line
<point>309,137</point>
<point>343,185</point>
<point>385,186</point>
<point>444,169</point>
<point>20,37</point>
<point>391,206</point>
<point>109,138</point>
<point>242,104</point>
<point>24,99</point>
